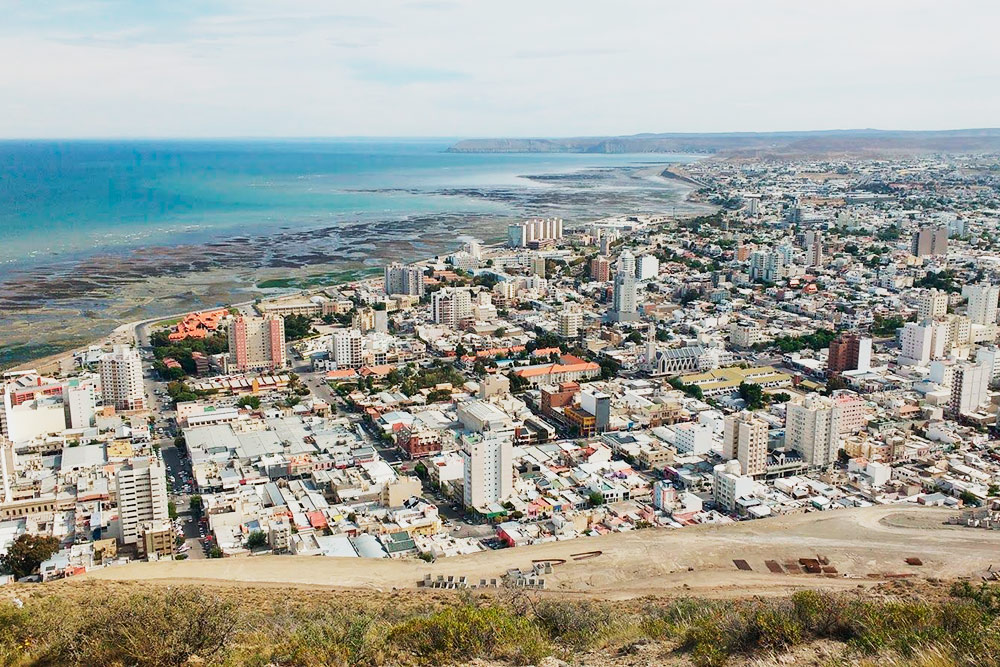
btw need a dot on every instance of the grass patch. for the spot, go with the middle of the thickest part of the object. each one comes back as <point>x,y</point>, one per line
<point>128,625</point>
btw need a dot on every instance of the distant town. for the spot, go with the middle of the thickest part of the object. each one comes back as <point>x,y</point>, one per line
<point>826,339</point>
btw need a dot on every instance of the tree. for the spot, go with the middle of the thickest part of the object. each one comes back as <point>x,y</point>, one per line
<point>26,553</point>
<point>196,506</point>
<point>252,402</point>
<point>256,539</point>
<point>171,509</point>
<point>834,383</point>
<point>596,498</point>
<point>969,499</point>
<point>517,383</point>
<point>752,395</point>
<point>297,327</point>
<point>994,490</point>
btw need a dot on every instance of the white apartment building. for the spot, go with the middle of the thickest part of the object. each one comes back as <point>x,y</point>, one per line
<point>451,305</point>
<point>990,357</point>
<point>404,279</point>
<point>745,334</point>
<point>693,438</point>
<point>625,306</point>
<point>256,343</point>
<point>922,342</point>
<point>983,303</point>
<point>932,304</point>
<point>647,267</point>
<point>969,387</point>
<point>121,378</point>
<point>489,470</point>
<point>531,232</point>
<point>812,428</point>
<point>570,321</point>
<point>80,400</point>
<point>744,439</point>
<point>142,496</point>
<point>346,348</point>
<point>728,485</point>
<point>768,266</point>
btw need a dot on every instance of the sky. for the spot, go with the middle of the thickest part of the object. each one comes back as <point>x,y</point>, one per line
<point>487,68</point>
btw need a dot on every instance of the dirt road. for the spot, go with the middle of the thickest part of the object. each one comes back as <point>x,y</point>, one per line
<point>864,546</point>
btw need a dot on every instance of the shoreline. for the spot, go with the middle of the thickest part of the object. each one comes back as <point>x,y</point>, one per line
<point>126,332</point>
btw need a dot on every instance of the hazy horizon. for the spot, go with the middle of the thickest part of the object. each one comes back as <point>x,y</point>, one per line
<point>109,69</point>
<point>420,138</point>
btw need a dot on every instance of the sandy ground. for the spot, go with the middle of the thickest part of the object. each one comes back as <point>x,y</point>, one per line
<point>864,545</point>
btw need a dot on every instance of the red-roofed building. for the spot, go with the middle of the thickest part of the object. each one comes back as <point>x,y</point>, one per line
<point>568,369</point>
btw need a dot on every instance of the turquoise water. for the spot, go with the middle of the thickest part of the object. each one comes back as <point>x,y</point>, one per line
<point>70,200</point>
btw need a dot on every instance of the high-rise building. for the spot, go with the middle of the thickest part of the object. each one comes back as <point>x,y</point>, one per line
<point>625,306</point>
<point>570,321</point>
<point>538,266</point>
<point>142,496</point>
<point>970,385</point>
<point>920,342</point>
<point>600,269</point>
<point>598,404</point>
<point>256,343</point>
<point>451,305</point>
<point>849,352</point>
<point>404,279</point>
<point>983,300</point>
<point>744,439</point>
<point>989,356</point>
<point>534,233</point>
<point>489,469</point>
<point>932,304</point>
<point>767,265</point>
<point>121,378</point>
<point>346,347</point>
<point>80,401</point>
<point>647,267</point>
<point>812,428</point>
<point>852,411</point>
<point>814,249</point>
<point>929,241</point>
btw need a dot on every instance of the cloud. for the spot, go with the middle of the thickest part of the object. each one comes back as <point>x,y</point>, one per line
<point>402,75</point>
<point>517,68</point>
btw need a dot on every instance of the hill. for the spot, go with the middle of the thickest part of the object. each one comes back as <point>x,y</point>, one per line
<point>749,143</point>
<point>89,623</point>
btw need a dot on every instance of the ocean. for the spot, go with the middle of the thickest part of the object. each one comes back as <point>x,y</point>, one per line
<point>94,233</point>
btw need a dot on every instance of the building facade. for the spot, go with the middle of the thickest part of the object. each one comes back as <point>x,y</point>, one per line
<point>142,496</point>
<point>257,343</point>
<point>121,379</point>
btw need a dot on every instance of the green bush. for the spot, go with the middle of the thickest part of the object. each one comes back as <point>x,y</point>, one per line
<point>463,633</point>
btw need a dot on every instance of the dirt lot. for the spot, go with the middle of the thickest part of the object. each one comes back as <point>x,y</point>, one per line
<point>864,546</point>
